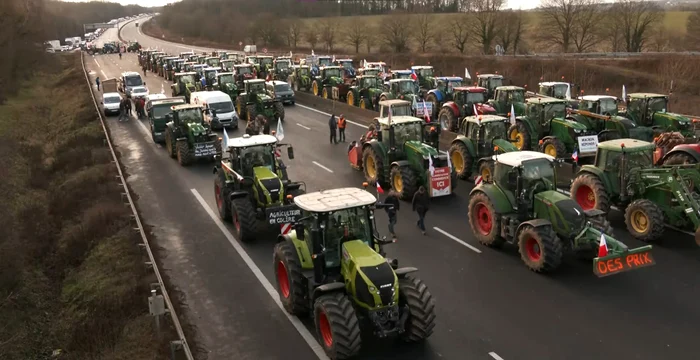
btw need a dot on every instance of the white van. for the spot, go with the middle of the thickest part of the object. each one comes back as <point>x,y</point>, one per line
<point>221,103</point>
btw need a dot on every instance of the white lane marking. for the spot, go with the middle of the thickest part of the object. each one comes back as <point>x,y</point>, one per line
<point>495,356</point>
<point>143,127</point>
<point>310,339</point>
<point>457,240</point>
<point>98,64</point>
<point>322,167</point>
<point>327,114</point>
<point>305,127</point>
<point>103,73</point>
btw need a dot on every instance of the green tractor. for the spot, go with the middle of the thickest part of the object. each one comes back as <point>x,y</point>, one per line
<point>478,139</point>
<point>426,77</point>
<point>163,65</point>
<point>226,82</point>
<point>523,207</point>
<point>282,69</point>
<point>401,89</point>
<point>252,185</point>
<point>300,77</point>
<point>243,72</point>
<point>600,113</point>
<point>332,266</point>
<point>329,77</point>
<point>210,76</point>
<point>185,84</point>
<point>265,64</point>
<point>212,61</point>
<point>364,92</point>
<point>506,96</point>
<point>169,68</point>
<point>625,175</point>
<point>156,110</point>
<point>151,61</point>
<point>545,120</point>
<point>256,100</point>
<point>651,110</point>
<point>402,153</point>
<point>187,137</point>
<point>490,82</point>
<point>228,65</point>
<point>559,90</point>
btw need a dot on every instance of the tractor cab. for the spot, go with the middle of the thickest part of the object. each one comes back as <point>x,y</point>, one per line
<point>490,82</point>
<point>222,54</point>
<point>184,115</point>
<point>184,84</point>
<point>253,60</point>
<point>557,90</point>
<point>652,110</point>
<point>243,71</point>
<point>620,156</point>
<point>322,61</point>
<point>347,66</point>
<point>255,86</point>
<point>398,126</point>
<point>265,61</point>
<point>282,64</point>
<point>401,74</point>
<point>599,104</point>
<point>226,82</point>
<point>529,179</point>
<point>178,65</point>
<point>403,87</point>
<point>368,82</point>
<point>426,76</point>
<point>210,75</point>
<point>250,155</point>
<point>212,61</point>
<point>193,59</point>
<point>505,97</point>
<point>227,64</point>
<point>331,72</point>
<point>600,112</point>
<point>188,67</point>
<point>369,71</point>
<point>300,70</point>
<point>186,55</point>
<point>199,69</point>
<point>447,84</point>
<point>470,96</point>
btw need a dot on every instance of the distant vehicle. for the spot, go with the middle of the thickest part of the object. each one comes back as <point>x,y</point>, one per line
<point>282,91</point>
<point>139,92</point>
<point>110,103</point>
<point>129,80</point>
<point>223,115</point>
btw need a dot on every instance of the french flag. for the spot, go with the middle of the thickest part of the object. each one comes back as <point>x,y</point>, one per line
<point>413,75</point>
<point>379,188</point>
<point>575,155</point>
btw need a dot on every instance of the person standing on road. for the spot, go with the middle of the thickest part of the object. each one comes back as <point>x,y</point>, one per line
<point>333,125</point>
<point>128,109</point>
<point>122,109</point>
<point>341,128</point>
<point>421,203</point>
<point>393,200</point>
<point>97,81</point>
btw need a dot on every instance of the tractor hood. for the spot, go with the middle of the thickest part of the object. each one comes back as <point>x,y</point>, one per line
<point>485,109</point>
<point>504,145</point>
<point>565,214</point>
<point>196,129</point>
<point>264,97</point>
<point>375,284</point>
<point>420,148</point>
<point>333,80</point>
<point>570,124</point>
<point>670,119</point>
<point>229,86</point>
<point>269,184</point>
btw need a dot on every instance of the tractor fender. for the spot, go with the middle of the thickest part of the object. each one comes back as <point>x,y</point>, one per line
<point>469,143</point>
<point>531,128</point>
<point>500,202</point>
<point>437,93</point>
<point>327,288</point>
<point>378,149</point>
<point>691,149</point>
<point>534,223</point>
<point>549,137</point>
<point>598,173</point>
<point>402,272</point>
<point>452,106</point>
<point>238,194</point>
<point>400,163</point>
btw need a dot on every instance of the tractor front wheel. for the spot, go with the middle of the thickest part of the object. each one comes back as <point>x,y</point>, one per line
<point>553,147</point>
<point>448,119</point>
<point>325,94</point>
<point>461,160</point>
<point>290,280</point>
<point>279,111</point>
<point>373,166</point>
<point>404,182</point>
<point>363,104</point>
<point>680,159</point>
<point>485,224</point>
<point>540,248</point>
<point>244,220</point>
<point>184,155</point>
<point>421,309</point>
<point>588,191</point>
<point>315,88</point>
<point>644,220</point>
<point>486,169</point>
<point>337,326</point>
<point>350,98</point>
<point>520,136</point>
<point>221,194</point>
<point>250,112</point>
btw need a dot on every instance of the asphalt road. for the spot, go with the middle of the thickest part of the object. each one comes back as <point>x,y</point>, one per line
<point>489,306</point>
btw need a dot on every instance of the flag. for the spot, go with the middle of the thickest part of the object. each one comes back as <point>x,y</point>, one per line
<point>449,162</point>
<point>466,74</point>
<point>476,112</point>
<point>603,249</point>
<point>425,112</point>
<point>413,75</point>
<point>568,91</point>
<point>430,165</point>
<point>575,155</point>
<point>312,53</point>
<point>624,93</point>
<point>389,120</point>
<point>379,189</point>
<point>415,104</point>
<point>333,59</point>
<point>290,53</point>
<point>280,130</point>
<point>512,114</point>
<point>225,144</point>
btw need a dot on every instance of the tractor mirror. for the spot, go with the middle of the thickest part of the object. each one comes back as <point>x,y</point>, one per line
<point>299,229</point>
<point>290,153</point>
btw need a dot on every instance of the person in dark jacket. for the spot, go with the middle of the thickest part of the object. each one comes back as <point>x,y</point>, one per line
<point>333,125</point>
<point>391,212</point>
<point>97,81</point>
<point>128,109</point>
<point>265,124</point>
<point>421,203</point>
<point>122,109</point>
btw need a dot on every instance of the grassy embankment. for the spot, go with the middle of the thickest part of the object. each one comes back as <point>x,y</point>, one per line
<point>71,274</point>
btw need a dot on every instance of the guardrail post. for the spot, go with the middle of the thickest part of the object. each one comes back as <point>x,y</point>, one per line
<point>156,307</point>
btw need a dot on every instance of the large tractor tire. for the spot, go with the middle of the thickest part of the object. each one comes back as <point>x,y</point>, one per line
<point>448,119</point>
<point>553,147</point>
<point>421,309</point>
<point>244,220</point>
<point>221,194</point>
<point>365,104</point>
<point>350,98</point>
<point>373,166</point>
<point>325,93</point>
<point>521,136</point>
<point>485,223</point>
<point>589,192</point>
<point>169,143</point>
<point>486,169</point>
<point>185,157</point>
<point>644,220</point>
<point>461,160</point>
<point>540,248</point>
<point>290,280</point>
<point>240,107</point>
<point>316,88</point>
<point>404,182</point>
<point>680,159</point>
<point>279,111</point>
<point>251,112</point>
<point>337,326</point>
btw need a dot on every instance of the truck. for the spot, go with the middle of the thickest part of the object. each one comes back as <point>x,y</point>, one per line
<point>109,85</point>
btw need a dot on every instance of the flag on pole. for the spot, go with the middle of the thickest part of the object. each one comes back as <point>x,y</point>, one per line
<point>568,92</point>
<point>333,59</point>
<point>413,75</point>
<point>389,119</point>
<point>430,165</point>
<point>280,130</point>
<point>415,103</point>
<point>512,114</point>
<point>290,53</point>
<point>466,74</point>
<point>449,162</point>
<point>575,155</point>
<point>624,93</point>
<point>425,112</point>
<point>379,189</point>
<point>225,144</point>
<point>476,112</point>
<point>603,249</point>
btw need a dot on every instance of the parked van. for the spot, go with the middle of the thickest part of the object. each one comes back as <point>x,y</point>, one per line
<point>128,81</point>
<point>220,113</point>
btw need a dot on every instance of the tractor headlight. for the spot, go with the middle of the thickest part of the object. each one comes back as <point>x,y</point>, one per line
<point>577,131</point>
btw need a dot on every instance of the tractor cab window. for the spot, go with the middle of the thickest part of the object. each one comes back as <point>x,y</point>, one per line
<point>282,65</point>
<point>559,91</point>
<point>473,130</point>
<point>369,82</point>
<point>408,132</point>
<point>187,79</point>
<point>332,72</point>
<point>324,62</point>
<point>252,60</point>
<point>257,156</point>
<point>344,225</point>
<point>243,70</point>
<point>657,104</point>
<point>608,106</point>
<point>635,160</point>
<point>495,82</point>
<point>516,96</point>
<point>400,110</point>
<point>210,75</point>
<point>346,64</point>
<point>538,174</point>
<point>502,97</point>
<point>476,98</point>
<point>555,110</point>
<point>213,62</point>
<point>493,130</point>
<point>371,72</point>
<point>193,115</point>
<point>500,175</point>
<point>425,72</point>
<point>303,71</point>
<point>225,79</point>
<point>266,61</point>
<point>405,87</point>
<point>256,87</point>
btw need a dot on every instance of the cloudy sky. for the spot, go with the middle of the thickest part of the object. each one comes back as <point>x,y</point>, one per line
<point>523,4</point>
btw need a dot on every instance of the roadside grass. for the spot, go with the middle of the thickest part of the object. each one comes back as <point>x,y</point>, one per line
<point>71,275</point>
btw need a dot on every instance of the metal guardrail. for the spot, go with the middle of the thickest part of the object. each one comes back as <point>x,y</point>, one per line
<point>181,343</point>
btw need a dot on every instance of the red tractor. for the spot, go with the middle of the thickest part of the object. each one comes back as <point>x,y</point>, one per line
<point>464,100</point>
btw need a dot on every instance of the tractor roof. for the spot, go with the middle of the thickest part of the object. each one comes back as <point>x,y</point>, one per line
<point>185,73</point>
<point>212,69</point>
<point>242,65</point>
<point>212,57</point>
<point>545,100</point>
<point>253,81</point>
<point>482,76</point>
<point>485,118</point>
<point>334,200</point>
<point>167,101</point>
<point>179,60</point>
<point>421,67</point>
<point>450,78</point>
<point>323,57</point>
<point>596,97</point>
<point>170,57</point>
<point>631,144</point>
<point>301,66</point>
<point>200,65</point>
<point>399,80</point>
<point>255,140</point>
<point>343,60</point>
<point>185,107</point>
<point>516,158</point>
<point>645,95</point>
<point>265,56</point>
<point>393,102</point>
<point>510,88</point>
<point>471,89</point>
<point>329,67</point>
<point>395,120</point>
<point>225,73</point>
<point>402,72</point>
<point>553,83</point>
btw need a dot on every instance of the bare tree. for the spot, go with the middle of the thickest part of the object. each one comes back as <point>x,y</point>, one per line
<point>397,32</point>
<point>612,31</point>
<point>296,28</point>
<point>512,32</point>
<point>357,31</point>
<point>460,32</point>
<point>568,22</point>
<point>638,18</point>
<point>585,31</point>
<point>311,36</point>
<point>267,29</point>
<point>424,33</point>
<point>486,22</point>
<point>369,39</point>
<point>693,31</point>
<point>329,30</point>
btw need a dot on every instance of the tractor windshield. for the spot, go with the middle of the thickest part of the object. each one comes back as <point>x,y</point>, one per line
<point>345,225</point>
<point>225,79</point>
<point>304,72</point>
<point>347,64</point>
<point>658,104</point>
<point>282,65</point>
<point>640,159</point>
<point>408,132</point>
<point>257,156</point>
<point>187,79</point>
<point>243,70</point>
<point>493,130</point>
<point>400,110</point>
<point>371,72</point>
<point>213,62</point>
<point>369,82</point>
<point>332,72</point>
<point>324,62</point>
<point>608,106</point>
<point>257,87</point>
<point>476,97</point>
<point>407,87</point>
<point>555,110</point>
<point>495,82</point>
<point>210,75</point>
<point>538,171</point>
<point>266,61</point>
<point>425,72</point>
<point>193,115</point>
<point>517,96</point>
<point>559,91</point>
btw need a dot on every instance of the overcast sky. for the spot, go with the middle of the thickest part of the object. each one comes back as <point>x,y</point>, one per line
<point>517,4</point>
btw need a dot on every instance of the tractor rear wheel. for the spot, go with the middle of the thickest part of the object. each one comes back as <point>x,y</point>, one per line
<point>486,169</point>
<point>250,112</point>
<point>169,144</point>
<point>553,147</point>
<point>373,166</point>
<point>404,182</point>
<point>290,280</point>
<point>521,136</point>
<point>461,160</point>
<point>680,159</point>
<point>337,326</point>
<point>324,93</point>
<point>221,194</point>
<point>184,155</point>
<point>485,224</point>
<point>448,119</point>
<point>421,309</point>
<point>644,220</point>
<point>244,220</point>
<point>588,191</point>
<point>540,248</point>
<point>363,104</point>
<point>316,88</point>
<point>279,111</point>
<point>350,98</point>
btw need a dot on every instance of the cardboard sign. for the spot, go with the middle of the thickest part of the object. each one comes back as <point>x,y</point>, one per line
<point>588,144</point>
<point>440,182</point>
<point>420,111</point>
<point>615,264</point>
<point>283,215</point>
<point>206,149</point>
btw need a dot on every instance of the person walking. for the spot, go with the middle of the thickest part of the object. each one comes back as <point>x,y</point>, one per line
<point>333,125</point>
<point>122,109</point>
<point>392,199</point>
<point>265,124</point>
<point>341,128</point>
<point>128,108</point>
<point>97,81</point>
<point>421,203</point>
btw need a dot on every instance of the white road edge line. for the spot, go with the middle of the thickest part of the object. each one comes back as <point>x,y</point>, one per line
<point>443,232</point>
<point>98,64</point>
<point>495,356</point>
<point>103,74</point>
<point>305,127</point>
<point>327,114</point>
<point>322,167</point>
<point>308,337</point>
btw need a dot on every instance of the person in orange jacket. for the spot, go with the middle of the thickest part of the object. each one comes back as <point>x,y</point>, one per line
<point>341,127</point>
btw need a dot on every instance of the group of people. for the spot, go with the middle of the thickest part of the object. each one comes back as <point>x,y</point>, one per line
<point>125,106</point>
<point>420,204</point>
<point>337,127</point>
<point>258,125</point>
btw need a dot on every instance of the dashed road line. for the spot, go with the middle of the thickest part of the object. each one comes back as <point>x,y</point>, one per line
<point>103,73</point>
<point>305,334</point>
<point>305,127</point>
<point>98,64</point>
<point>458,240</point>
<point>327,114</point>
<point>495,356</point>
<point>322,167</point>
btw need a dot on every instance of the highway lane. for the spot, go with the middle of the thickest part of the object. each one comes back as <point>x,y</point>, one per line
<point>554,315</point>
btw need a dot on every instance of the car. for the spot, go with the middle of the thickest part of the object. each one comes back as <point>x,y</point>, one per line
<point>218,107</point>
<point>128,80</point>
<point>110,103</point>
<point>139,92</point>
<point>282,91</point>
